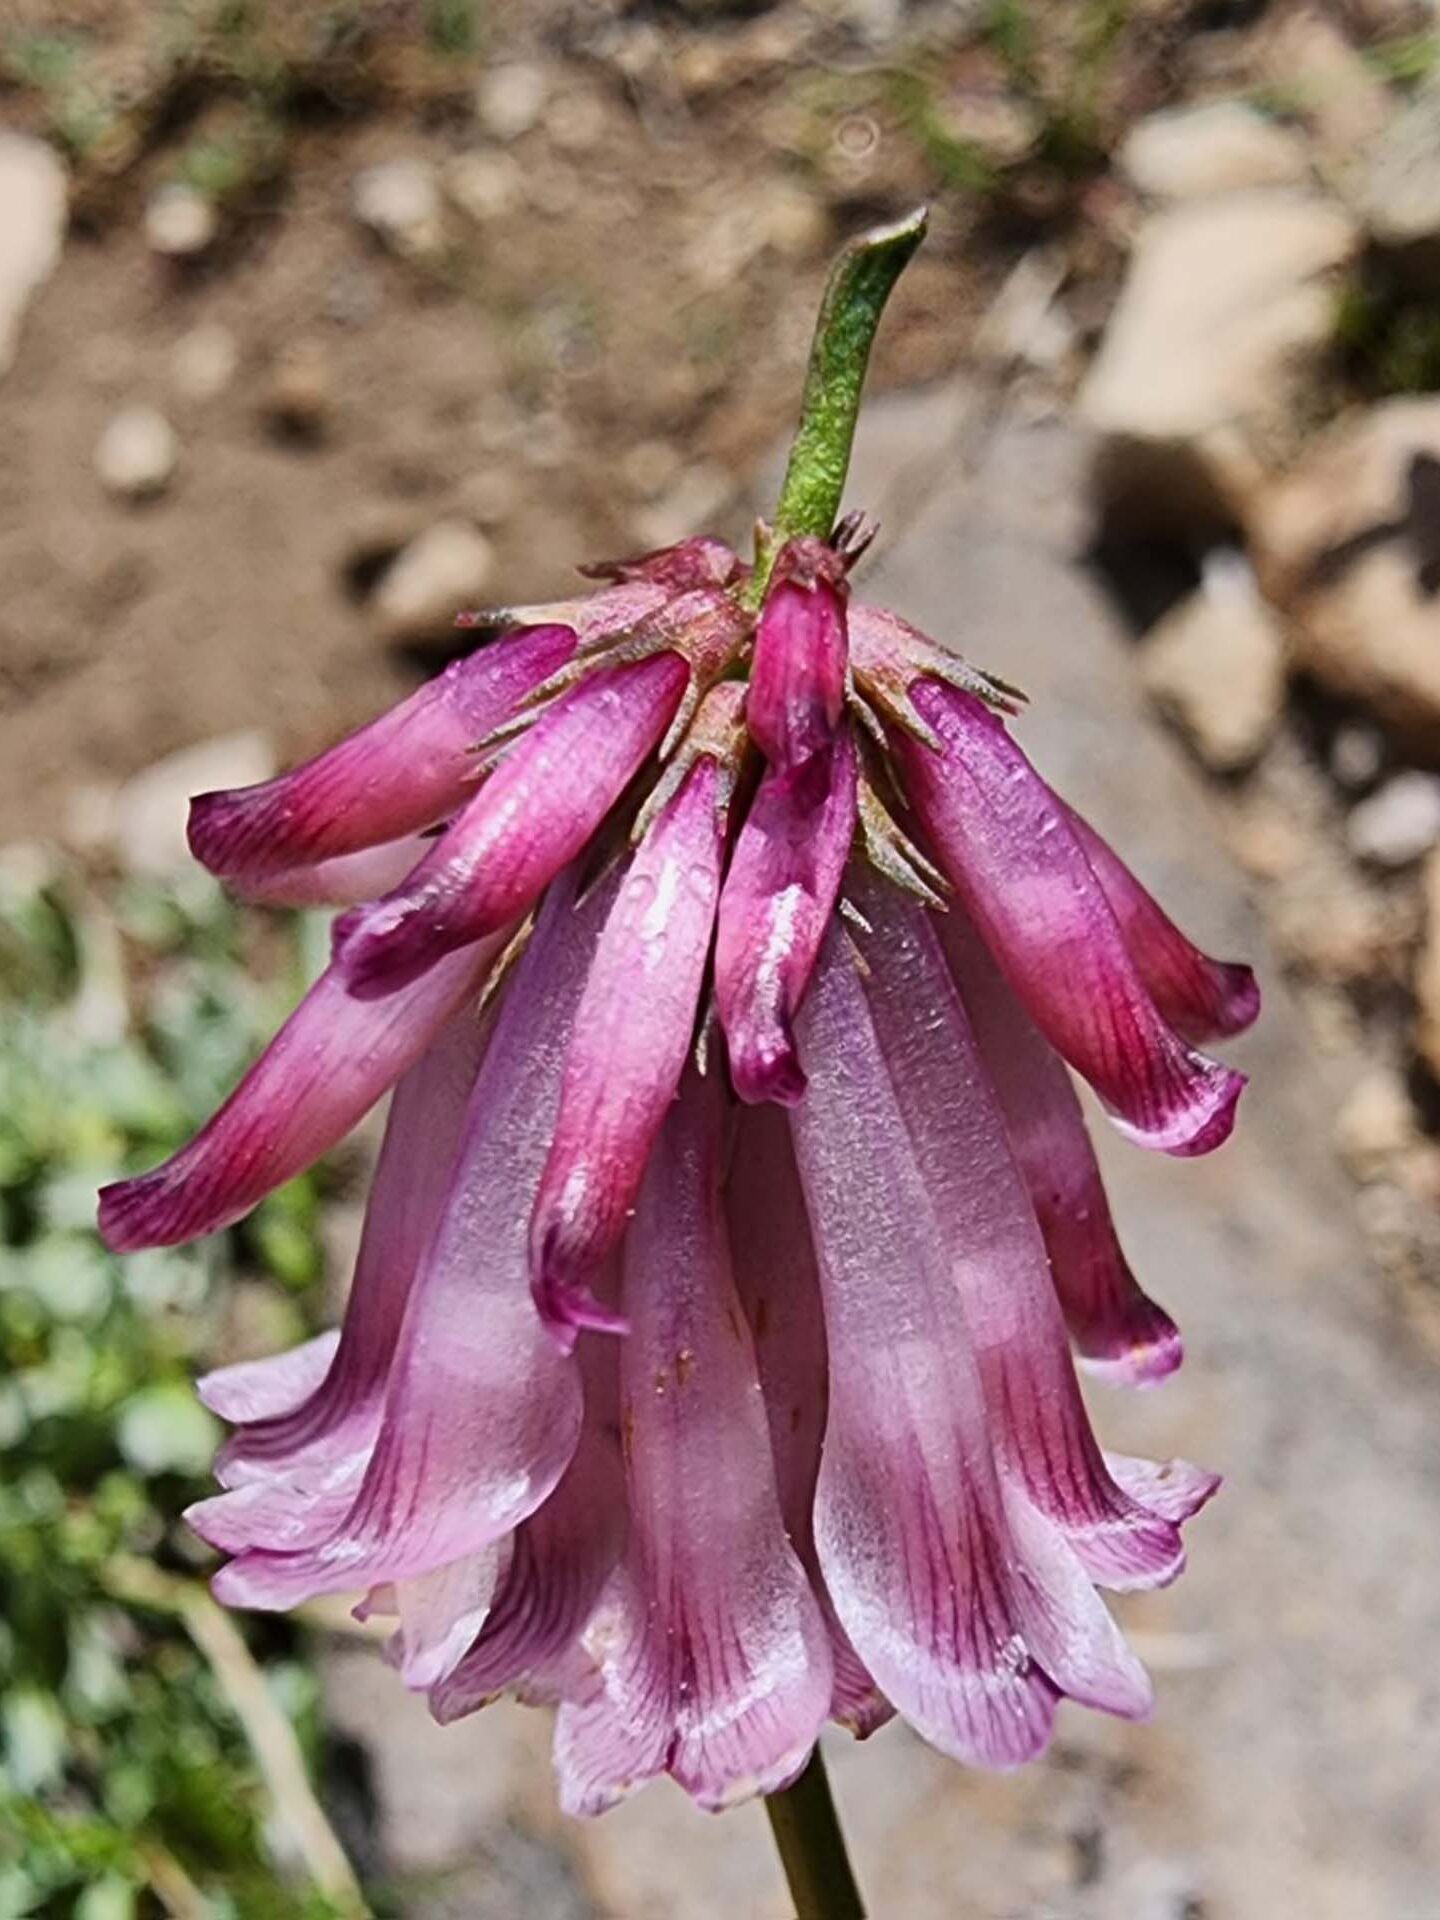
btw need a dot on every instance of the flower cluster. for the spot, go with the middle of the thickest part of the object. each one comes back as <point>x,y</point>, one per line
<point>726,965</point>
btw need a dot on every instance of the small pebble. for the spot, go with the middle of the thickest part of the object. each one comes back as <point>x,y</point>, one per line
<point>179,222</point>
<point>204,360</point>
<point>1399,823</point>
<point>136,455</point>
<point>510,98</point>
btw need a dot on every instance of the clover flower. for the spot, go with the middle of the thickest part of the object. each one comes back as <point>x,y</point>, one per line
<point>726,955</point>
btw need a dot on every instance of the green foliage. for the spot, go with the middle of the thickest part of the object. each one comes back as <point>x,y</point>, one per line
<point>125,1773</point>
<point>1388,336</point>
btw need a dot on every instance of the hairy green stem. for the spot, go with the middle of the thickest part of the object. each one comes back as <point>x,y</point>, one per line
<point>812,1848</point>
<point>861,281</point>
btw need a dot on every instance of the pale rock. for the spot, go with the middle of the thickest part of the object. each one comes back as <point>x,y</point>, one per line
<point>699,494</point>
<point>795,223</point>
<point>1399,823</point>
<point>1308,59</point>
<point>300,395</point>
<point>179,222</point>
<point>441,572</point>
<point>1220,146</point>
<point>1375,1125</point>
<point>1216,665</point>
<point>399,202</point>
<point>491,496</point>
<point>1347,547</point>
<point>649,467</point>
<point>999,128</point>
<point>1266,843</point>
<point>150,810</point>
<point>484,186</point>
<point>510,98</point>
<point>1219,339</point>
<point>1357,755</point>
<point>1427,972</point>
<point>34,197</point>
<point>136,455</point>
<point>1395,186</point>
<point>575,121</point>
<point>204,360</point>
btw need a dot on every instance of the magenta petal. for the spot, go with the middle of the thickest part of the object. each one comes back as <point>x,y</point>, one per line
<point>341,882</point>
<point>560,1561</point>
<point>481,1412</point>
<point>777,902</point>
<point>404,771</point>
<point>797,679</point>
<point>323,1071</point>
<point>989,1232</point>
<point>263,1389</point>
<point>1007,845</point>
<point>632,1034</point>
<point>1119,1332</point>
<point>909,1518</point>
<point>1201,998</point>
<point>779,1289</point>
<point>711,1660</point>
<point>417,1160</point>
<point>534,814</point>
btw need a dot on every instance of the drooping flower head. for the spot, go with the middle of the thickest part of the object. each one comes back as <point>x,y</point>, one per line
<point>708,1369</point>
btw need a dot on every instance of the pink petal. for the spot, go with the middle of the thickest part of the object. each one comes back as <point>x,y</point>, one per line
<point>1007,845</point>
<point>341,882</point>
<point>340,1417</point>
<point>537,810</point>
<point>710,1653</point>
<point>404,771</point>
<point>262,1389</point>
<point>328,1065</point>
<point>481,1412</point>
<point>700,561</point>
<point>561,1559</point>
<point>1119,1332</point>
<point>1201,998</point>
<point>632,1034</point>
<point>440,1614</point>
<point>778,899</point>
<point>969,1616</point>
<point>779,1289</point>
<point>797,678</point>
<point>997,1257</point>
<point>1173,1488</point>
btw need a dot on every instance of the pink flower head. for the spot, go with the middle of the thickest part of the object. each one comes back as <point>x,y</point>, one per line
<point>727,963</point>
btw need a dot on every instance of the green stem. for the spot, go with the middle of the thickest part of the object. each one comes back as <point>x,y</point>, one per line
<point>860,283</point>
<point>812,1848</point>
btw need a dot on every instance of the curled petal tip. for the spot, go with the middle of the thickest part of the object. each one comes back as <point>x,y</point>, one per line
<point>143,1212</point>
<point>767,1069</point>
<point>1137,1365</point>
<point>568,1309</point>
<point>1204,1122</point>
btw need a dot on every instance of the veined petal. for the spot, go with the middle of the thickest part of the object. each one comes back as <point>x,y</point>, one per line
<point>797,678</point>
<point>1118,1331</point>
<point>560,1561</point>
<point>441,1613</point>
<point>261,1389</point>
<point>989,1233</point>
<point>1203,999</point>
<point>1008,847</point>
<point>417,1160</point>
<point>779,1289</point>
<point>711,1660</point>
<point>341,882</point>
<point>404,771</point>
<point>481,1412</point>
<point>632,1034</point>
<point>778,899</point>
<point>533,815</point>
<point>1175,1488</point>
<point>699,561</point>
<point>910,1523</point>
<point>328,1065</point>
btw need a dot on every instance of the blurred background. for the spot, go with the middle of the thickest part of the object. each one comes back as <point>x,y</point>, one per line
<point>320,322</point>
